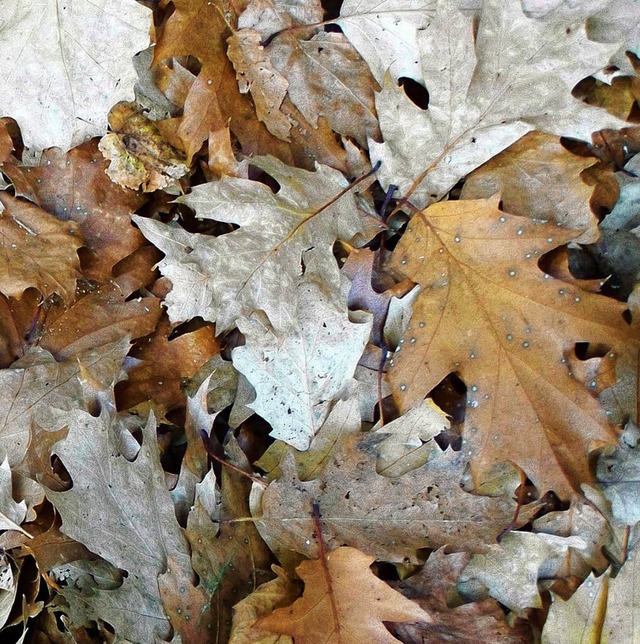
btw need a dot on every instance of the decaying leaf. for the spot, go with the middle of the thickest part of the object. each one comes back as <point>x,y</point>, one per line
<point>489,314</point>
<point>64,65</point>
<point>139,156</point>
<point>329,611</point>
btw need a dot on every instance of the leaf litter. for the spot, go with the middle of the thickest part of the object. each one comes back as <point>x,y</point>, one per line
<point>331,335</point>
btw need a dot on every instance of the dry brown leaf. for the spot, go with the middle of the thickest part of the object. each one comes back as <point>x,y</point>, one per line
<point>536,177</point>
<point>158,381</point>
<point>330,611</point>
<point>488,314</point>
<point>74,186</point>
<point>37,250</point>
<point>433,588</point>
<point>391,517</point>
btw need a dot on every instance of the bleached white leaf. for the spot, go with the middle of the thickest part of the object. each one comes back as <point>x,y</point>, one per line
<point>486,90</point>
<point>65,63</point>
<point>257,266</point>
<point>297,376</point>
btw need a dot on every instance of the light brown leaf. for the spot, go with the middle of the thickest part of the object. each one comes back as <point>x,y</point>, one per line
<point>330,611</point>
<point>391,517</point>
<point>37,250</point>
<point>487,313</point>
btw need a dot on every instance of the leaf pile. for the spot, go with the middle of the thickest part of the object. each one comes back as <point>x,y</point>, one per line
<point>318,322</point>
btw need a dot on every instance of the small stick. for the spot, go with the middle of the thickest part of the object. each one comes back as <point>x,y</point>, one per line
<point>231,466</point>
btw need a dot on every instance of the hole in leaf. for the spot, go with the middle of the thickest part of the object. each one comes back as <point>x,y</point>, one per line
<point>416,92</point>
<point>588,350</point>
<point>331,10</point>
<point>451,396</point>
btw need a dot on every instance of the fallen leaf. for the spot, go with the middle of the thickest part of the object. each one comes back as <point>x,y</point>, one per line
<point>256,266</point>
<point>37,250</point>
<point>158,380</point>
<point>392,517</point>
<point>255,74</point>
<point>63,66</point>
<point>299,375</point>
<point>37,387</point>
<point>536,177</point>
<point>485,93</point>
<point>487,313</point>
<point>433,589</point>
<point>273,594</point>
<point>139,157</point>
<point>138,535</point>
<point>329,611</point>
<point>73,186</point>
<point>510,571</point>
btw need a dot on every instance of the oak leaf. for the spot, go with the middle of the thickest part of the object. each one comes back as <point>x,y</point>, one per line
<point>489,314</point>
<point>519,173</point>
<point>122,511</point>
<point>64,65</point>
<point>298,376</point>
<point>258,265</point>
<point>329,610</point>
<point>393,517</point>
<point>486,91</point>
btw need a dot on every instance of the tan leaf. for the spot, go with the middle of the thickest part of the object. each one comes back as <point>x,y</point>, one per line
<point>391,517</point>
<point>536,177</point>
<point>37,250</point>
<point>433,589</point>
<point>329,611</point>
<point>485,92</point>
<point>256,74</point>
<point>487,313</point>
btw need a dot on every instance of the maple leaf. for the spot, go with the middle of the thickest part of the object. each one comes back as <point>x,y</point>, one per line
<point>122,511</point>
<point>297,377</point>
<point>329,611</point>
<point>486,91</point>
<point>392,517</point>
<point>258,265</point>
<point>487,313</point>
<point>37,250</point>
<point>63,65</point>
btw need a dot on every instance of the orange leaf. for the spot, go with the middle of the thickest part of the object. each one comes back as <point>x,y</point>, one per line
<point>346,591</point>
<point>487,313</point>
